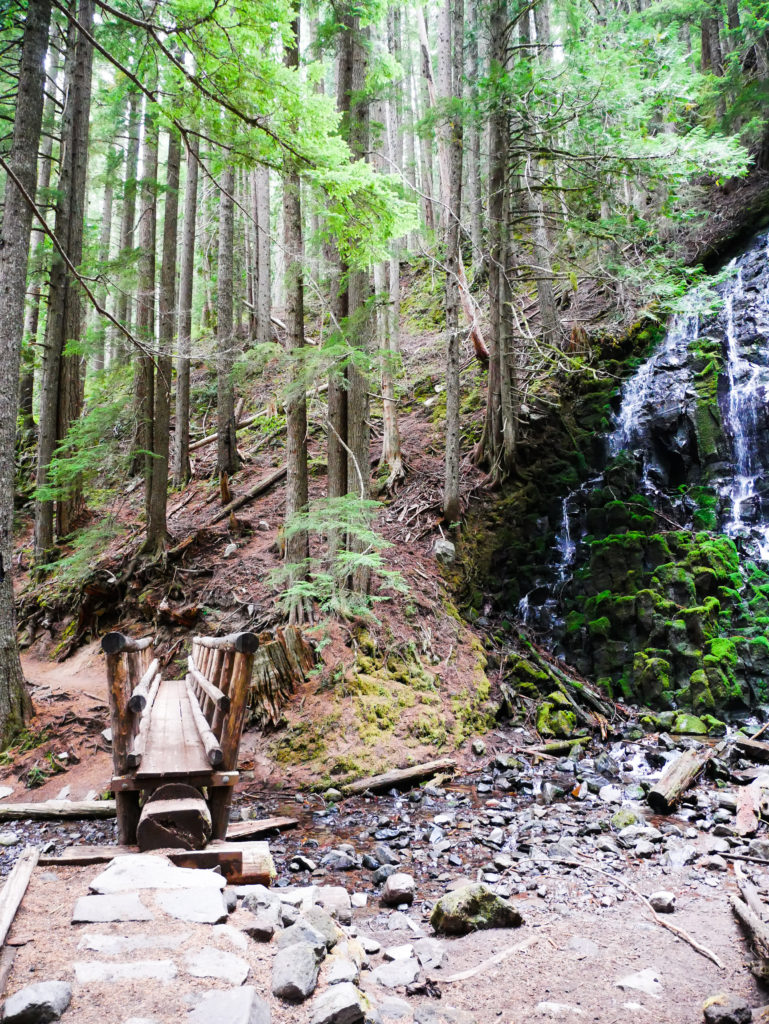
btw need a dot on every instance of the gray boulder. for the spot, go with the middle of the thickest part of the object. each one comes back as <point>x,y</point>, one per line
<point>727,1009</point>
<point>341,1004</point>
<point>473,908</point>
<point>398,888</point>
<point>295,972</point>
<point>305,933</point>
<point>39,1003</point>
<point>444,551</point>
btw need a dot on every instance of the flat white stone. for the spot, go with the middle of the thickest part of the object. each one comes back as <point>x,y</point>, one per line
<point>404,952</point>
<point>646,981</point>
<point>233,935</point>
<point>397,973</point>
<point>211,962</point>
<point>5,791</point>
<point>97,909</point>
<point>199,906</point>
<point>87,973</point>
<point>235,1006</point>
<point>342,1004</point>
<point>117,945</point>
<point>559,1009</point>
<point>339,969</point>
<point>359,899</point>
<point>137,871</point>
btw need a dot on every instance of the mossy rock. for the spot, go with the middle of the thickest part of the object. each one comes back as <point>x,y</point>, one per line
<point>689,724</point>
<point>473,908</point>
<point>554,721</point>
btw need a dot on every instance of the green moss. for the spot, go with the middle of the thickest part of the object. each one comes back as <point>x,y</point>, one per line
<point>599,627</point>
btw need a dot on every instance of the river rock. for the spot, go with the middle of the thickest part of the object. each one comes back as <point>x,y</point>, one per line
<point>431,953</point>
<point>646,981</point>
<point>397,973</point>
<point>260,927</point>
<point>399,888</point>
<point>335,900</point>
<point>727,1009</point>
<point>444,551</point>
<point>37,1004</point>
<point>663,902</point>
<point>341,1004</point>
<point>323,923</point>
<point>304,933</point>
<point>295,972</point>
<point>472,908</point>
<point>235,1006</point>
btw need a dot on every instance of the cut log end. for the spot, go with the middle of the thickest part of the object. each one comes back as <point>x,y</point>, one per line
<point>137,703</point>
<point>114,643</point>
<point>246,643</point>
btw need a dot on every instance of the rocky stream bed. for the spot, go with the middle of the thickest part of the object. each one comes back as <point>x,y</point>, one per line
<point>567,842</point>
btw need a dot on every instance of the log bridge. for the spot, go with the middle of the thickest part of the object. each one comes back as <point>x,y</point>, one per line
<point>175,742</point>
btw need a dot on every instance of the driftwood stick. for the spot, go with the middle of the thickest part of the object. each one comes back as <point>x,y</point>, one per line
<point>492,961</point>
<point>210,742</point>
<point>678,932</point>
<point>759,933</point>
<point>400,776</point>
<point>15,886</point>
<point>220,700</point>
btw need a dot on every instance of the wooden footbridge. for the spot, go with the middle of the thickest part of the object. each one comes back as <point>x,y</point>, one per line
<point>175,742</point>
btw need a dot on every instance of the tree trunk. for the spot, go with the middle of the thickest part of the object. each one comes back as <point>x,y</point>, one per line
<point>490,451</point>
<point>262,301</point>
<point>60,392</point>
<point>227,452</point>
<point>297,543</point>
<point>186,285</point>
<point>144,375</point>
<point>474,203</point>
<point>15,705</point>
<point>450,39</point>
<point>38,256</point>
<point>337,385</point>
<point>105,236</point>
<point>156,522</point>
<point>128,217</point>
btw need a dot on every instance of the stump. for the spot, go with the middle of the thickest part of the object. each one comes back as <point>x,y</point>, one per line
<point>280,665</point>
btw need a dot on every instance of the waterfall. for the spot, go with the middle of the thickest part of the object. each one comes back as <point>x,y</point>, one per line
<point>659,424</point>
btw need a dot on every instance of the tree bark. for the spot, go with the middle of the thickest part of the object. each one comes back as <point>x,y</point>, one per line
<point>186,285</point>
<point>38,259</point>
<point>491,451</point>
<point>156,522</point>
<point>297,543</point>
<point>450,39</point>
<point>105,236</point>
<point>227,452</point>
<point>15,705</point>
<point>262,253</point>
<point>60,392</point>
<point>144,375</point>
<point>127,228</point>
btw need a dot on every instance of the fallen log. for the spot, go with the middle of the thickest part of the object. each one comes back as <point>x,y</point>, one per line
<point>676,779</point>
<point>175,817</point>
<point>14,889</point>
<point>210,438</point>
<point>757,930</point>
<point>400,777</point>
<point>52,809</point>
<point>260,487</point>
<point>261,827</point>
<point>241,863</point>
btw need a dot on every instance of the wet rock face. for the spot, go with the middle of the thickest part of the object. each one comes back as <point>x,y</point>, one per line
<point>658,586</point>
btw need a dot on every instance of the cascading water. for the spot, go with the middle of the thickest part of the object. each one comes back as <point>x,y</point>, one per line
<point>657,425</point>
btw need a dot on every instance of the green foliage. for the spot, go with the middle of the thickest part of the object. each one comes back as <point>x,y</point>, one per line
<point>87,547</point>
<point>325,580</point>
